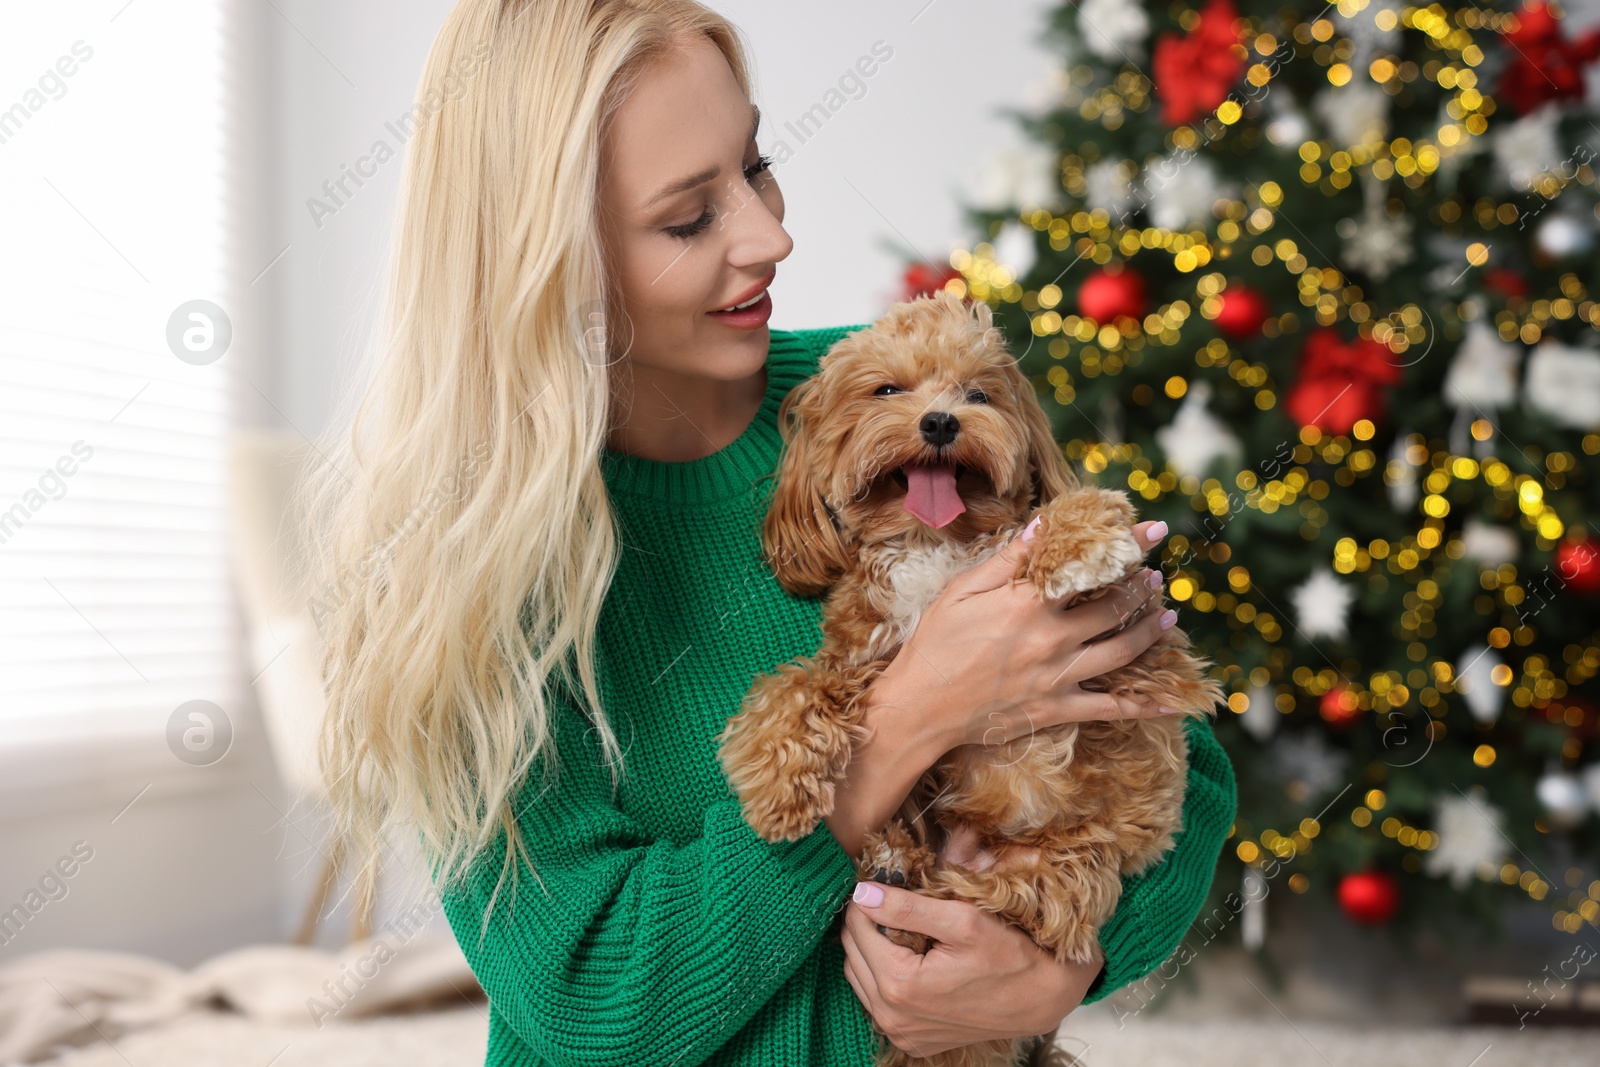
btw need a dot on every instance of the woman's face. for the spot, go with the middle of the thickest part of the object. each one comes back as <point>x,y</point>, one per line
<point>691,221</point>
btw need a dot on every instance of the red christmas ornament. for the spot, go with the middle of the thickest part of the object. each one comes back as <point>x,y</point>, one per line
<point>1542,65</point>
<point>925,279</point>
<point>1193,74</point>
<point>1340,384</point>
<point>1505,282</point>
<point>1110,294</point>
<point>1240,312</point>
<point>1577,564</point>
<point>1339,707</point>
<point>1369,897</point>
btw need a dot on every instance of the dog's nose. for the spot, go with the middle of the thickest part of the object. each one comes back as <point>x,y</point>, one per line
<point>939,428</point>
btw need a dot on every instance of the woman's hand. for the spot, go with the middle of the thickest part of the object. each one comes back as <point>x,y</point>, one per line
<point>984,979</point>
<point>989,661</point>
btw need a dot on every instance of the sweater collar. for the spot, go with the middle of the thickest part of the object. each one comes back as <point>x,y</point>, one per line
<point>733,469</point>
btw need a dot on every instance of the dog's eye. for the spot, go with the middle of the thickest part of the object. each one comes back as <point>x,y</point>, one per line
<point>887,390</point>
<point>977,396</point>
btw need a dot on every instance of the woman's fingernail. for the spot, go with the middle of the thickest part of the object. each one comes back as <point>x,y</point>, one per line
<point>1168,617</point>
<point>1027,533</point>
<point>868,894</point>
<point>1156,532</point>
<point>1155,579</point>
<point>1166,710</point>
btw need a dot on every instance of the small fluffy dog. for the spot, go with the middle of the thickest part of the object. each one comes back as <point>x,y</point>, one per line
<point>917,450</point>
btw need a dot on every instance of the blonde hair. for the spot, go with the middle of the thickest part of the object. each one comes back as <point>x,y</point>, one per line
<point>465,539</point>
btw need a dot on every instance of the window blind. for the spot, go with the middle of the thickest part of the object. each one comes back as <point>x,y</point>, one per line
<point>115,595</point>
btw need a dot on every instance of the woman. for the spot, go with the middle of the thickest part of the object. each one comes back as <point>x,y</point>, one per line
<point>545,557</point>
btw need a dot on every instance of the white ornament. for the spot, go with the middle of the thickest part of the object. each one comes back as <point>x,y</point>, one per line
<point>1591,784</point>
<point>1563,798</point>
<point>1564,237</point>
<point>1019,177</point>
<point>1484,372</point>
<point>1113,29</point>
<point>1307,758</point>
<point>1471,841</point>
<point>1401,475</point>
<point>1289,129</point>
<point>1488,544</point>
<point>1108,187</point>
<point>1370,39</point>
<point>1528,147</point>
<point>1287,125</point>
<point>1475,682</point>
<point>1322,605</point>
<point>1563,383</point>
<point>1182,192</point>
<point>1356,113</point>
<point>1196,437</point>
<point>1015,248</point>
<point>1375,242</point>
<point>1260,718</point>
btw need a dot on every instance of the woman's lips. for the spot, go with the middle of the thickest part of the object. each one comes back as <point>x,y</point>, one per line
<point>750,318</point>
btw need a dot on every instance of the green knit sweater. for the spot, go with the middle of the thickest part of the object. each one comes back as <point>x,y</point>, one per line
<point>671,934</point>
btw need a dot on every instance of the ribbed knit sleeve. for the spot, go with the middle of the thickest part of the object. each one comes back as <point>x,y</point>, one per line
<point>642,950</point>
<point>1159,903</point>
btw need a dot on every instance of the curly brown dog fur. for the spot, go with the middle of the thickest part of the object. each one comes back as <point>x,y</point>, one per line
<point>1066,811</point>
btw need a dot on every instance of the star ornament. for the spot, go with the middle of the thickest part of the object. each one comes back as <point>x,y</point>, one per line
<point>1376,243</point>
<point>1322,606</point>
<point>1471,840</point>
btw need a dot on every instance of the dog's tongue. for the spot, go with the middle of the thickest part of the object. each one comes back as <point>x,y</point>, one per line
<point>931,494</point>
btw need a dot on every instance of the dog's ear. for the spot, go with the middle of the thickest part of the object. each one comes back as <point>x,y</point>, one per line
<point>800,534</point>
<point>1047,467</point>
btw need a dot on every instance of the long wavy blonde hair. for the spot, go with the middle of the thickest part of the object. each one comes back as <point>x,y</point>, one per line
<point>463,540</point>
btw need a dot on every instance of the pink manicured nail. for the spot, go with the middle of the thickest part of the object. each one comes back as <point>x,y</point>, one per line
<point>1156,532</point>
<point>868,894</point>
<point>1155,579</point>
<point>1027,533</point>
<point>1168,617</point>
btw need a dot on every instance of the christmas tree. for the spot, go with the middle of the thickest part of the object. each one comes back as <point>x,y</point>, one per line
<point>1316,285</point>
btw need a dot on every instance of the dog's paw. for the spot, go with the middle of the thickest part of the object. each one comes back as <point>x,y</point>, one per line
<point>1084,541</point>
<point>887,864</point>
<point>893,857</point>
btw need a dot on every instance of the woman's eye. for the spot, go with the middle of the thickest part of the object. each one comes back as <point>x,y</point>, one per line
<point>977,396</point>
<point>690,229</point>
<point>760,166</point>
<point>887,390</point>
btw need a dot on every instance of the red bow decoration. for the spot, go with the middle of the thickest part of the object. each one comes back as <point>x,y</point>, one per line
<point>1544,65</point>
<point>1340,383</point>
<point>1193,74</point>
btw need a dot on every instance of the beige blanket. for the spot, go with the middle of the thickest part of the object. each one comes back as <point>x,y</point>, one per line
<point>65,998</point>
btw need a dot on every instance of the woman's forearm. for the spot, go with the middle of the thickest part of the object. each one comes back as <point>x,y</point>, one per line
<point>882,771</point>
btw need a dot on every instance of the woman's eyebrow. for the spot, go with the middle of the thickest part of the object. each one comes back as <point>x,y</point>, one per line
<point>683,185</point>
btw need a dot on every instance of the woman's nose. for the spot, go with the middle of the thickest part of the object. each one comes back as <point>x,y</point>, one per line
<point>758,234</point>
